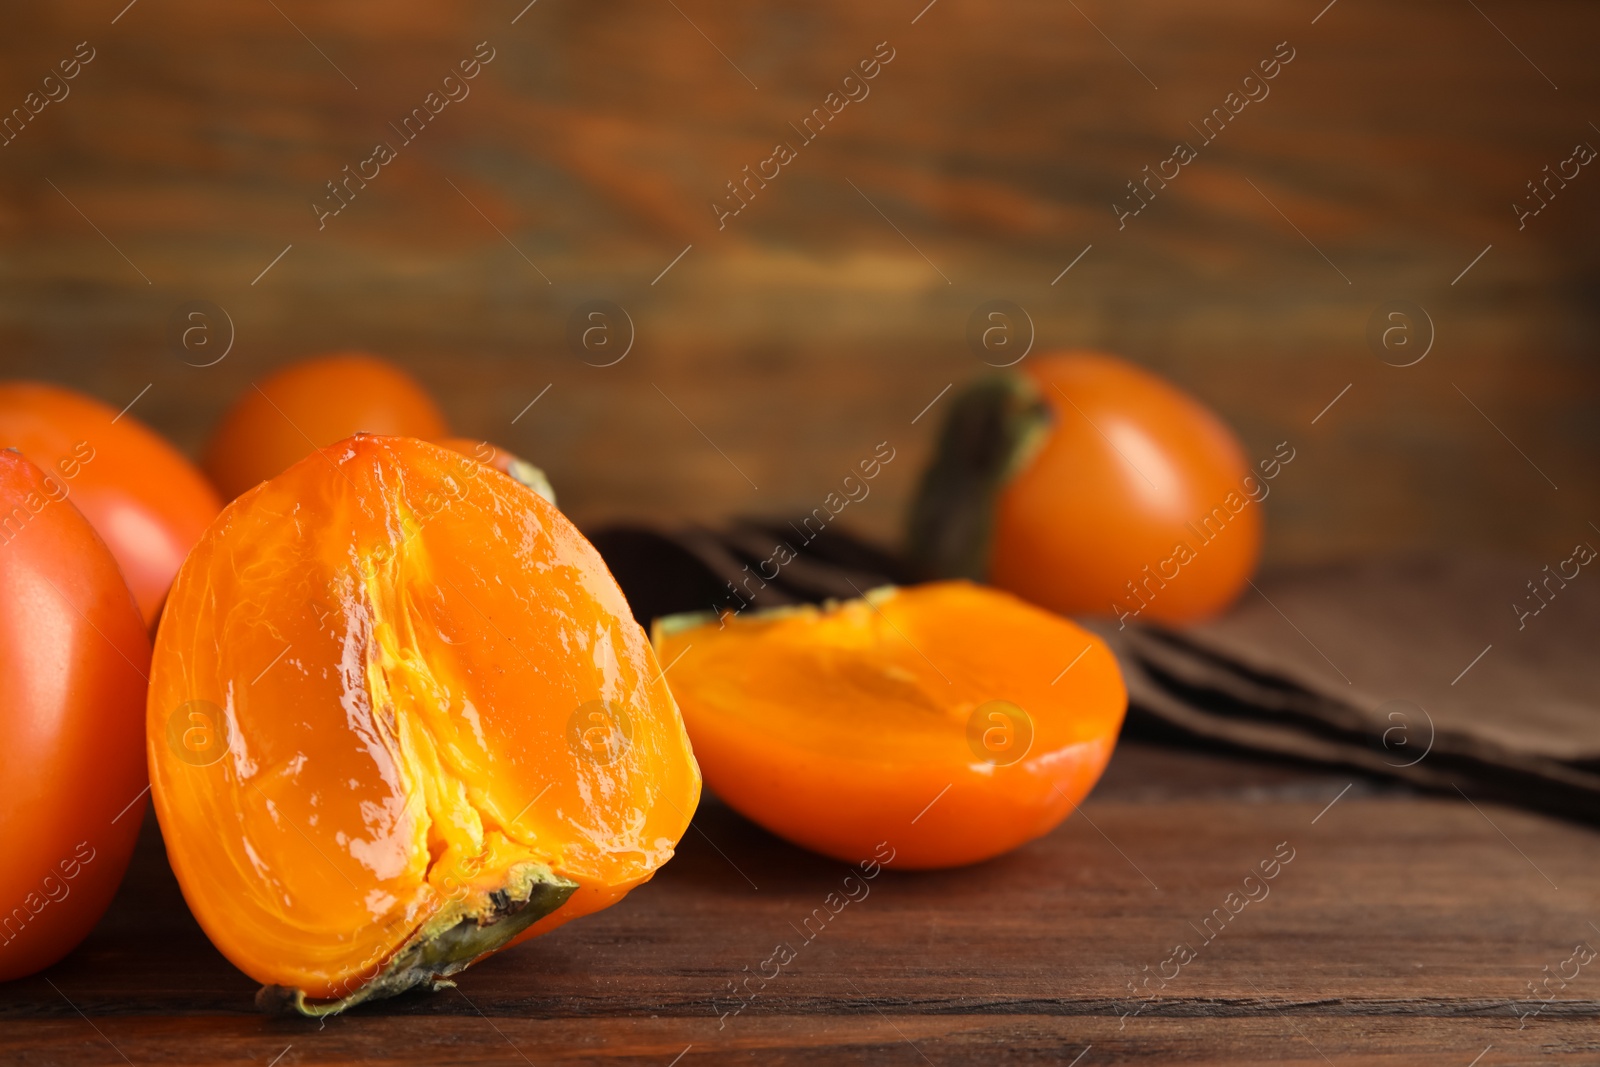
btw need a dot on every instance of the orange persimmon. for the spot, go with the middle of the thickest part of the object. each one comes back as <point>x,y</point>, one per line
<point>311,404</point>
<point>146,500</point>
<point>400,716</point>
<point>507,463</point>
<point>951,721</point>
<point>1089,485</point>
<point>73,656</point>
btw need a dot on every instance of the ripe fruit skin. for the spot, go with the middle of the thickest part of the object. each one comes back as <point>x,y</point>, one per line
<point>73,654</point>
<point>1131,468</point>
<point>873,721</point>
<point>312,404</point>
<point>147,502</point>
<point>423,688</point>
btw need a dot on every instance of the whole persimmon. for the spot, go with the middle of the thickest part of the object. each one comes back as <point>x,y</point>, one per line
<point>1089,485</point>
<point>310,405</point>
<point>948,722</point>
<point>400,717</point>
<point>147,502</point>
<point>73,656</point>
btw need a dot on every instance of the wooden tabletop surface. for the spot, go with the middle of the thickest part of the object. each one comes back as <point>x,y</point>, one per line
<point>1396,928</point>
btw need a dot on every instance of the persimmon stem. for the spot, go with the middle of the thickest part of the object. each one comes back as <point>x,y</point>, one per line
<point>994,428</point>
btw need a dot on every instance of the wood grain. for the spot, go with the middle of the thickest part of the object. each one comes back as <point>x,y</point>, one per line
<point>1385,159</point>
<point>1405,929</point>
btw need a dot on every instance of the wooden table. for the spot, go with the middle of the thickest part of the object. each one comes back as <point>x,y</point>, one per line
<point>1404,930</point>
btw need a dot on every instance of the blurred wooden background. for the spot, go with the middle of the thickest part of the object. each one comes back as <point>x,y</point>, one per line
<point>809,329</point>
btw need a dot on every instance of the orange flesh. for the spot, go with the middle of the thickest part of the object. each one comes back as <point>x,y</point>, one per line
<point>482,451</point>
<point>507,463</point>
<point>837,728</point>
<point>399,639</point>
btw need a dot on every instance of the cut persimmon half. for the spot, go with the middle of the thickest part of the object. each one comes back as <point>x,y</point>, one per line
<point>400,716</point>
<point>949,720</point>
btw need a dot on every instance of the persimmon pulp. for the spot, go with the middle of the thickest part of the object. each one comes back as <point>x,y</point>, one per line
<point>401,716</point>
<point>507,463</point>
<point>952,721</point>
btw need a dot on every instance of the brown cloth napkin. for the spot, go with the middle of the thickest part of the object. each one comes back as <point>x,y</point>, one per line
<point>1454,674</point>
<point>743,567</point>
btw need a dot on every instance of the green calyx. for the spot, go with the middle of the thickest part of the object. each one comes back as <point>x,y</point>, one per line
<point>533,477</point>
<point>993,429</point>
<point>450,942</point>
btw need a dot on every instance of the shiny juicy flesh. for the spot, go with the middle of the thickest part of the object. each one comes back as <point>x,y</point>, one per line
<point>384,680</point>
<point>947,721</point>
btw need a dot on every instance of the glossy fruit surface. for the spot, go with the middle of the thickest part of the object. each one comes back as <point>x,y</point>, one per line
<point>311,404</point>
<point>148,503</point>
<point>73,658</point>
<point>1139,499</point>
<point>399,711</point>
<point>508,463</point>
<point>952,721</point>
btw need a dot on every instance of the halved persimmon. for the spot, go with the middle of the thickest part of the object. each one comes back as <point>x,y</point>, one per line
<point>400,716</point>
<point>952,721</point>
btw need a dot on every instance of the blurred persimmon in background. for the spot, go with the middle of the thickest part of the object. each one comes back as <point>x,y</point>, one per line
<point>309,405</point>
<point>146,500</point>
<point>1089,485</point>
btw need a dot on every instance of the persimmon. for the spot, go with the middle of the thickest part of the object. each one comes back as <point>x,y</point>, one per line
<point>507,463</point>
<point>146,500</point>
<point>400,717</point>
<point>310,405</point>
<point>73,655</point>
<point>1091,486</point>
<point>952,721</point>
